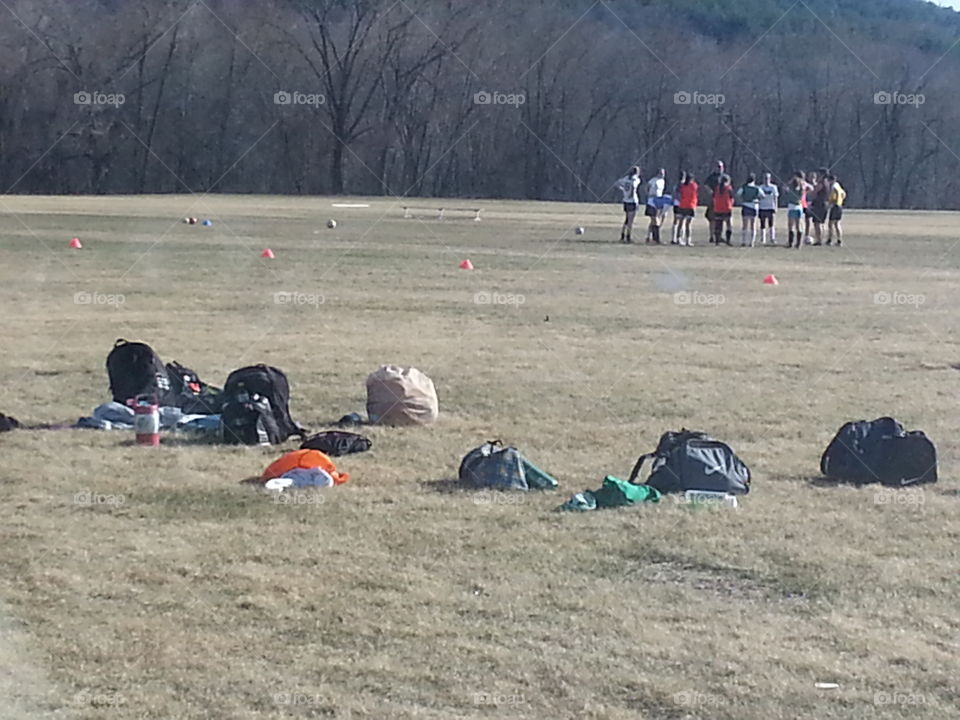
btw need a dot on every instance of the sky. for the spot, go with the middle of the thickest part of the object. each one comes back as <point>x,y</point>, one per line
<point>955,4</point>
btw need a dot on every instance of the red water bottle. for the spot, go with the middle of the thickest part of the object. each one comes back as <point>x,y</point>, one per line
<point>146,420</point>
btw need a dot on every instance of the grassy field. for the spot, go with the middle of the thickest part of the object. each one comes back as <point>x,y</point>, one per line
<point>142,583</point>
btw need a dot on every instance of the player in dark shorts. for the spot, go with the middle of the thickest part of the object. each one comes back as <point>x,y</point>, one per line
<point>686,208</point>
<point>809,185</point>
<point>793,195</point>
<point>749,196</point>
<point>768,209</point>
<point>835,201</point>
<point>818,207</point>
<point>654,208</point>
<point>628,185</point>
<point>722,206</point>
<point>677,219</point>
<point>711,183</point>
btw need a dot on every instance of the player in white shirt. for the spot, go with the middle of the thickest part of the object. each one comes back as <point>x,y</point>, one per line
<point>768,209</point>
<point>654,210</point>
<point>629,185</point>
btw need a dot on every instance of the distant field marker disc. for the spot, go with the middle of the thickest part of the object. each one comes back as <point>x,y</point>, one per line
<point>350,205</point>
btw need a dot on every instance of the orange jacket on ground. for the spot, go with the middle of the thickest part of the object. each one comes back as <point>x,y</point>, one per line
<point>303,459</point>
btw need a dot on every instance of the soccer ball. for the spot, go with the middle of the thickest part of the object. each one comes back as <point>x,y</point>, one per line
<point>809,240</point>
<point>331,224</point>
<point>193,221</point>
<point>580,231</point>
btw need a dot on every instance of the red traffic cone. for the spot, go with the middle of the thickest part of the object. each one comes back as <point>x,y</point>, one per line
<point>268,253</point>
<point>76,244</point>
<point>466,265</point>
<point>771,280</point>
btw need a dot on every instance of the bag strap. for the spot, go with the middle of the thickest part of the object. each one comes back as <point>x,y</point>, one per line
<point>119,342</point>
<point>638,466</point>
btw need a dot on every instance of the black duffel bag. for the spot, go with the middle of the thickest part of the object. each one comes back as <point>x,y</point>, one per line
<point>869,451</point>
<point>692,460</point>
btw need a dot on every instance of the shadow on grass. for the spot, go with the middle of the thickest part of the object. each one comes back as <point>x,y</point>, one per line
<point>453,485</point>
<point>447,486</point>
<point>825,482</point>
<point>821,481</point>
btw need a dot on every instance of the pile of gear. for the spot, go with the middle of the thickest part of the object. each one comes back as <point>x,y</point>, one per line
<point>253,408</point>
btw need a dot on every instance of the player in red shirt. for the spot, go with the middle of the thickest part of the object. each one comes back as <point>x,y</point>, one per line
<point>722,206</point>
<point>686,208</point>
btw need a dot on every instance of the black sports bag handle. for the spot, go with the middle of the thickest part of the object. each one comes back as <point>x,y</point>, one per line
<point>638,466</point>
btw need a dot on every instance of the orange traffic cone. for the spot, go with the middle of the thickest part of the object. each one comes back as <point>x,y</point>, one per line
<point>76,244</point>
<point>466,265</point>
<point>268,253</point>
<point>771,280</point>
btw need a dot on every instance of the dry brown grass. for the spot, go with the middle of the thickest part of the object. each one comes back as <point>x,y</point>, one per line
<point>191,596</point>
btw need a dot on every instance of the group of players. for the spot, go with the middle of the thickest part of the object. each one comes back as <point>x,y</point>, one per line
<point>816,198</point>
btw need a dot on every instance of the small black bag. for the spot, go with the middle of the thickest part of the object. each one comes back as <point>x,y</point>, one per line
<point>336,443</point>
<point>880,451</point>
<point>190,393</point>
<point>692,460</point>
<point>255,409</point>
<point>135,369</point>
<point>8,423</point>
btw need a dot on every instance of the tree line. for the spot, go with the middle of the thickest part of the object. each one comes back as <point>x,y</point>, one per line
<point>545,99</point>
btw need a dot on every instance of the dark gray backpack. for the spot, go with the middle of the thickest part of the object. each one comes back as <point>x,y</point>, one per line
<point>692,460</point>
<point>255,407</point>
<point>502,468</point>
<point>135,369</point>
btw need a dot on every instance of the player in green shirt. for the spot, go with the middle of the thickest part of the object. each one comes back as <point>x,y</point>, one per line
<point>749,196</point>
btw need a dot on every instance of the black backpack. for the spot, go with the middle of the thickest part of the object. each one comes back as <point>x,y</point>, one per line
<point>135,369</point>
<point>255,408</point>
<point>692,460</point>
<point>190,393</point>
<point>336,443</point>
<point>880,451</point>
